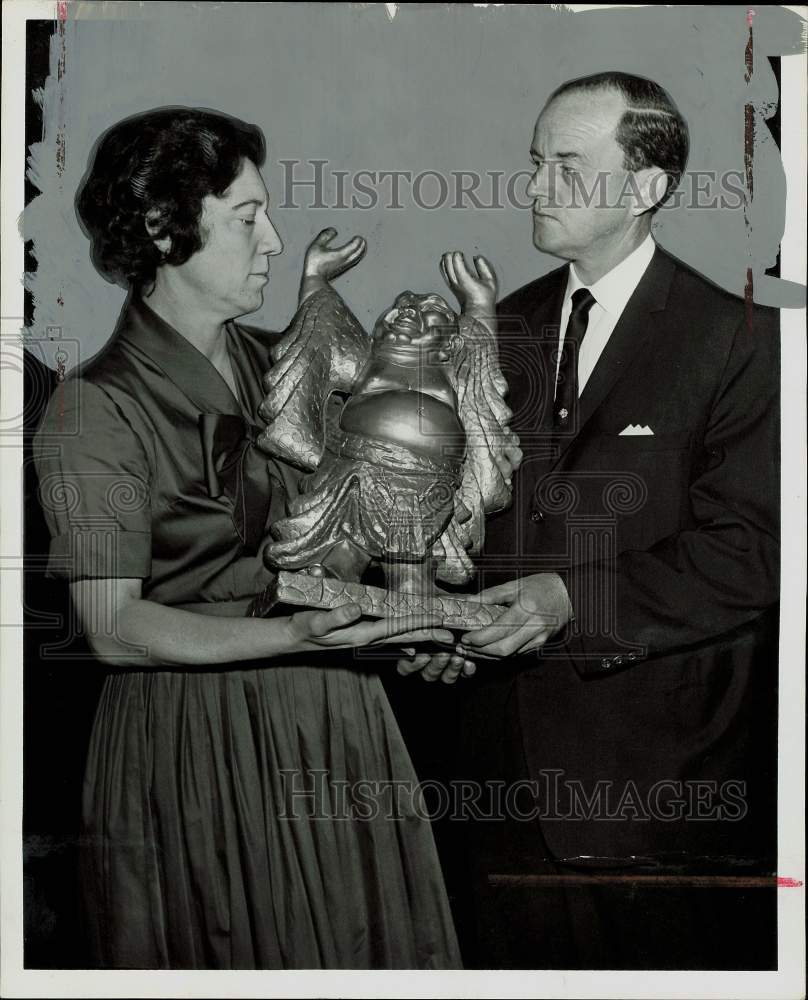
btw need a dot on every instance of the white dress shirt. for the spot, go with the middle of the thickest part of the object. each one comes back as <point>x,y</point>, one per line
<point>611,293</point>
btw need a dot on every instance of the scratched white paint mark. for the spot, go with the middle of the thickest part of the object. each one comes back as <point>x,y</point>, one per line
<point>582,8</point>
<point>46,214</point>
<point>392,10</point>
<point>67,295</point>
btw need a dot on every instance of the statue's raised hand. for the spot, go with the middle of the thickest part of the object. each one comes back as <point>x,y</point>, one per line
<point>475,289</point>
<point>324,262</point>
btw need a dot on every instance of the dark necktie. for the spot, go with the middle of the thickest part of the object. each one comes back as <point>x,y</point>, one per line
<point>566,393</point>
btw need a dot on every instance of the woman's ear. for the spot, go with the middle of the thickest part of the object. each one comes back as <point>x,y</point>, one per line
<point>153,220</point>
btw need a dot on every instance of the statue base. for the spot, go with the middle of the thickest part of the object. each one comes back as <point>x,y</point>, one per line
<point>324,592</point>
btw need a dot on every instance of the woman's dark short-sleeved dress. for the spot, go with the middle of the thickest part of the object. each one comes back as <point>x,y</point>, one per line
<point>255,815</point>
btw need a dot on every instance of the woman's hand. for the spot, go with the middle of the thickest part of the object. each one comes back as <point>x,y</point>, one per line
<point>318,630</point>
<point>475,290</point>
<point>324,262</point>
<point>149,635</point>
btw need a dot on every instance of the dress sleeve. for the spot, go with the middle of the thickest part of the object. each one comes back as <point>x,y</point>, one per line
<point>94,486</point>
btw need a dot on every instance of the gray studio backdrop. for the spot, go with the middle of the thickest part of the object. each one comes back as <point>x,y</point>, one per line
<point>436,91</point>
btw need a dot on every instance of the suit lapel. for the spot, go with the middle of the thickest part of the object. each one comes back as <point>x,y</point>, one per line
<point>627,342</point>
<point>545,325</point>
<point>528,337</point>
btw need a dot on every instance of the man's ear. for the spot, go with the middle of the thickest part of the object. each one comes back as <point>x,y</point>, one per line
<point>649,188</point>
<point>153,219</point>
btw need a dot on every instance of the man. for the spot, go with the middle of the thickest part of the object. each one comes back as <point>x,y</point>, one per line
<point>644,536</point>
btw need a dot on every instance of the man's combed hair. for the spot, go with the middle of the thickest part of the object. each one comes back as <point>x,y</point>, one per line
<point>651,132</point>
<point>162,163</point>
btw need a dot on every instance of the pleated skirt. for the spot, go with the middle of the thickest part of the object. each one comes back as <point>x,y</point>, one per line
<point>267,818</point>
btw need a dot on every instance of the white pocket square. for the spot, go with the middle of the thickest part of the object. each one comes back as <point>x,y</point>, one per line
<point>634,429</point>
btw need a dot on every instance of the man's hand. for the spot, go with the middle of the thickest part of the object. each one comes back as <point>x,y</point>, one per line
<point>323,262</point>
<point>537,607</point>
<point>431,666</point>
<point>475,290</point>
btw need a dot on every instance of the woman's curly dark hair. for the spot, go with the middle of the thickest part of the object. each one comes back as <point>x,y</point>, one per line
<point>164,163</point>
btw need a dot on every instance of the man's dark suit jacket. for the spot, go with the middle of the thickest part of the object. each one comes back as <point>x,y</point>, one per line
<point>665,684</point>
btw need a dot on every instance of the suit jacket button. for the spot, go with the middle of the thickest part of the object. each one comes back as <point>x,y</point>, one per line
<point>606,663</point>
<point>536,516</point>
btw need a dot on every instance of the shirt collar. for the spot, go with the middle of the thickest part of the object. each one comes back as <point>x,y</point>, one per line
<point>616,287</point>
<point>184,364</point>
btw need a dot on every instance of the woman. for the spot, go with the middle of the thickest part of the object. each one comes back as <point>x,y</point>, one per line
<point>219,822</point>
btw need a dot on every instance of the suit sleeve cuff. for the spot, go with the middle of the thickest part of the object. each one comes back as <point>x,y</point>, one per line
<point>591,637</point>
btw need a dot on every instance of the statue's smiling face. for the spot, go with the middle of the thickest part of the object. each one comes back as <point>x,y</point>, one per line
<point>421,320</point>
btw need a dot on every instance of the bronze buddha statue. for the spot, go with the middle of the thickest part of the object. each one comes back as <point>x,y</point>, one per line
<point>402,472</point>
